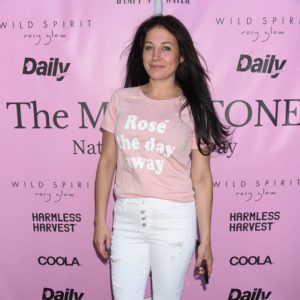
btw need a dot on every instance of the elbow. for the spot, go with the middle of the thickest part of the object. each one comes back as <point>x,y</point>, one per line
<point>200,178</point>
<point>108,163</point>
<point>200,182</point>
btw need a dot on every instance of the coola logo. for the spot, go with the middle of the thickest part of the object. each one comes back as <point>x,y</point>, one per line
<point>59,261</point>
<point>256,294</point>
<point>269,65</point>
<point>52,68</point>
<point>251,260</point>
<point>68,294</point>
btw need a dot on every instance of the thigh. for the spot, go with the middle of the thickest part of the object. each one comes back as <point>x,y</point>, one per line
<point>129,257</point>
<point>171,252</point>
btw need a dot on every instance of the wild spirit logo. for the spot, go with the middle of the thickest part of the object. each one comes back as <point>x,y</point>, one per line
<point>259,29</point>
<point>45,32</point>
<point>51,68</point>
<point>52,191</point>
<point>259,189</point>
<point>268,65</point>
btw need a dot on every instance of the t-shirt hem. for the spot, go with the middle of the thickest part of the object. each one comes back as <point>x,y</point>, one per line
<point>161,198</point>
<point>107,128</point>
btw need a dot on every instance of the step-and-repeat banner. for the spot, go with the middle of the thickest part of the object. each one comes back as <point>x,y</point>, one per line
<point>60,63</point>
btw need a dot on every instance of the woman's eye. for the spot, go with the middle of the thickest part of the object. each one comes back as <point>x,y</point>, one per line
<point>148,47</point>
<point>166,48</point>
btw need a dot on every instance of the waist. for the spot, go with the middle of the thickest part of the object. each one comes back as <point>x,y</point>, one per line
<point>153,202</point>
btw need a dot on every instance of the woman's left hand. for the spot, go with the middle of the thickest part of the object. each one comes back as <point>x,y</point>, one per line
<point>204,252</point>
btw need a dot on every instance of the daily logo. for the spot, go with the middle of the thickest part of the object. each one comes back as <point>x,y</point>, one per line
<point>270,64</point>
<point>68,294</point>
<point>256,294</point>
<point>53,68</point>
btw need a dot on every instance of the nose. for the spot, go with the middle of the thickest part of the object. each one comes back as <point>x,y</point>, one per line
<point>155,54</point>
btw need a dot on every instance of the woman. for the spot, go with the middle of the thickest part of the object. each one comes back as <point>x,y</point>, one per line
<point>158,133</point>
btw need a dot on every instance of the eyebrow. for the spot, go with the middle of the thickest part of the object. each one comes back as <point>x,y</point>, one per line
<point>162,42</point>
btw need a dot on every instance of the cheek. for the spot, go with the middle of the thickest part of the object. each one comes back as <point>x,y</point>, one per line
<point>174,62</point>
<point>145,58</point>
<point>172,59</point>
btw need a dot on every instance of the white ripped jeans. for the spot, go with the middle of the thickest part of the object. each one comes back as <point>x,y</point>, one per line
<point>151,234</point>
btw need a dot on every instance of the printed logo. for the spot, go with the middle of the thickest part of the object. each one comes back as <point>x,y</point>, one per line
<point>44,32</point>
<point>59,261</point>
<point>269,65</point>
<point>49,191</point>
<point>55,222</point>
<point>151,145</point>
<point>256,294</point>
<point>258,29</point>
<point>42,68</point>
<point>253,221</point>
<point>68,294</point>
<point>251,260</point>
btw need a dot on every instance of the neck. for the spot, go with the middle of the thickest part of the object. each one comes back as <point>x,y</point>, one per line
<point>161,89</point>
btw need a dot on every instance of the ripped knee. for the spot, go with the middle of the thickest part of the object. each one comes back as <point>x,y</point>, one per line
<point>175,249</point>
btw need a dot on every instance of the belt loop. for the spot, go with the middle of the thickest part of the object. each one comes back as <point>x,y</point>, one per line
<point>155,204</point>
<point>124,204</point>
<point>141,201</point>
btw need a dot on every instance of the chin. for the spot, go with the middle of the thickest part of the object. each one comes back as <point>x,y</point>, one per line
<point>160,76</point>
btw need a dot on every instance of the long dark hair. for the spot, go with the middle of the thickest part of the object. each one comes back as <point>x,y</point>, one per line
<point>190,76</point>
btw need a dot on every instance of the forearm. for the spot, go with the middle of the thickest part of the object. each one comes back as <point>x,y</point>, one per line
<point>204,198</point>
<point>104,178</point>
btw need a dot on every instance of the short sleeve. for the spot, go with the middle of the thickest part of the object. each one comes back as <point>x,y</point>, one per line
<point>194,143</point>
<point>110,117</point>
<point>192,125</point>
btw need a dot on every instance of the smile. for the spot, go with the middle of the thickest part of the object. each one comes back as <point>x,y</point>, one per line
<point>156,67</point>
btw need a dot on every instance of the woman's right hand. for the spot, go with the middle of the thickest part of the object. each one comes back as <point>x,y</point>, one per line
<point>102,240</point>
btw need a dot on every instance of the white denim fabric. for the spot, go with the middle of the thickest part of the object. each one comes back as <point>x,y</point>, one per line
<point>151,234</point>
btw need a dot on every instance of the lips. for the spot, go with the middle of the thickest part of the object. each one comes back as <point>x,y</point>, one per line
<point>156,67</point>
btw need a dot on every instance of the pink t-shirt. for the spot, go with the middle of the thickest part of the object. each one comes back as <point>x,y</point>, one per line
<point>153,146</point>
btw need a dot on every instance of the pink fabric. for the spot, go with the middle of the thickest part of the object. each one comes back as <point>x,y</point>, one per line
<point>154,146</point>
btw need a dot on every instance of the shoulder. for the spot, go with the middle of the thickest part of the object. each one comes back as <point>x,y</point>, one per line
<point>125,93</point>
<point>186,112</point>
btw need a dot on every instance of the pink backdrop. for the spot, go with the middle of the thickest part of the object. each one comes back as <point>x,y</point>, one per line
<point>60,63</point>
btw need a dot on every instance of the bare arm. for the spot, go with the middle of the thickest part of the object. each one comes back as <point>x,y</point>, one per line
<point>104,177</point>
<point>203,188</point>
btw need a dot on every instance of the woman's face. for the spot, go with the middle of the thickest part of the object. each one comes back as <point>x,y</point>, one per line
<point>161,54</point>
